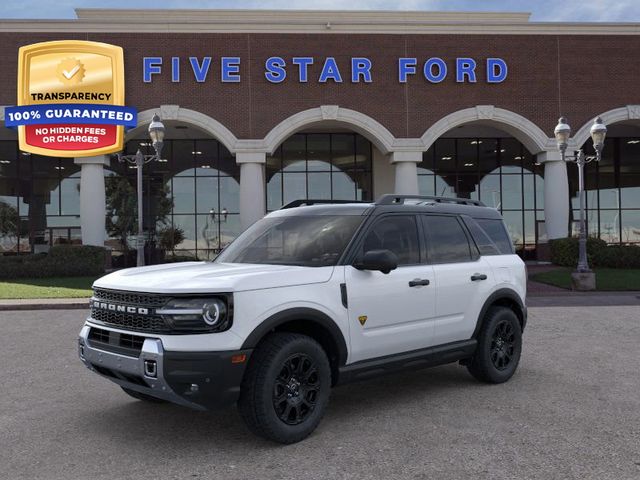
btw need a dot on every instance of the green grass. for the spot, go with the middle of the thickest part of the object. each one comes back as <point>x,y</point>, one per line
<point>57,287</point>
<point>607,279</point>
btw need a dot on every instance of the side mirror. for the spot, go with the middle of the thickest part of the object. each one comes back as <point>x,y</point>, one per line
<point>381,260</point>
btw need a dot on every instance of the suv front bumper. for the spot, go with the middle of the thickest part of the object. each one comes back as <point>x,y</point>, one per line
<point>199,380</point>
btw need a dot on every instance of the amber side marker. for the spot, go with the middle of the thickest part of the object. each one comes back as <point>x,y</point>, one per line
<point>239,358</point>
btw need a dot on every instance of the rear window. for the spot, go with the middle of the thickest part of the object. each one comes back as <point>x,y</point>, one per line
<point>496,231</point>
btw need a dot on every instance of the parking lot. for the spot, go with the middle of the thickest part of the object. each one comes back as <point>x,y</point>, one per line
<point>571,411</point>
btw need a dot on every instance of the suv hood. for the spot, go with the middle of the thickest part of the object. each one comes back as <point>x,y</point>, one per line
<point>207,277</point>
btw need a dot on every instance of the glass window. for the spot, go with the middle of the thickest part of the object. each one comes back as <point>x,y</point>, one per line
<point>485,245</point>
<point>496,231</point>
<point>183,195</point>
<point>631,226</point>
<point>311,241</point>
<point>319,166</point>
<point>397,233</point>
<point>319,152</point>
<point>447,241</point>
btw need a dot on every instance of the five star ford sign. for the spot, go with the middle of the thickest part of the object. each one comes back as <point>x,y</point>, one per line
<point>70,99</point>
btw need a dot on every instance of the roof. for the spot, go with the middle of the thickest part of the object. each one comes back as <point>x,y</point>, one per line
<point>160,21</point>
<point>362,208</point>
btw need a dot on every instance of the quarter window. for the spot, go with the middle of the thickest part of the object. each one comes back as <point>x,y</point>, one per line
<point>494,228</point>
<point>397,233</point>
<point>446,240</point>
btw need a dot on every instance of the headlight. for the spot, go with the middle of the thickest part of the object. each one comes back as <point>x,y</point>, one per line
<point>199,314</point>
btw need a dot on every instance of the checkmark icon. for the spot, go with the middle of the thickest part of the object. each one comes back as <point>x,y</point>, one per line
<point>71,73</point>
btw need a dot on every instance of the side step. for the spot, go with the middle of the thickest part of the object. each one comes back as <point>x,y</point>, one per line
<point>426,357</point>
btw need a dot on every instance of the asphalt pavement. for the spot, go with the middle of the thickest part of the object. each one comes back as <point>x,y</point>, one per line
<point>571,411</point>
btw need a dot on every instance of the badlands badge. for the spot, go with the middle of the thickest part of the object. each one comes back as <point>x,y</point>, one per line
<point>70,99</point>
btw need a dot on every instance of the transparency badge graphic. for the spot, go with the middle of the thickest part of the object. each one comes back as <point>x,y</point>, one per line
<point>70,99</point>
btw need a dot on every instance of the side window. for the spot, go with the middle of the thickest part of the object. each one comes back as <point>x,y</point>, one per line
<point>484,243</point>
<point>398,233</point>
<point>498,233</point>
<point>446,239</point>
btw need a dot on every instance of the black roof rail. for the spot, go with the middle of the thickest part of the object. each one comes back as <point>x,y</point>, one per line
<point>392,199</point>
<point>308,201</point>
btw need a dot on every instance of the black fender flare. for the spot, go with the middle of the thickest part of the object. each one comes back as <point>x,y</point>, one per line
<point>500,294</point>
<point>304,314</point>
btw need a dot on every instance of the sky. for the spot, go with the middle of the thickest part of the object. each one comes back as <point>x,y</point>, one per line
<point>542,10</point>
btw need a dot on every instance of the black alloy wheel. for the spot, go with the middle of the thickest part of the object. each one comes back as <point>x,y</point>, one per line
<point>286,387</point>
<point>499,346</point>
<point>502,345</point>
<point>296,389</point>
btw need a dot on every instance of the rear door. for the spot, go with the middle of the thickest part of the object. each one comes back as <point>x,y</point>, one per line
<point>463,278</point>
<point>391,313</point>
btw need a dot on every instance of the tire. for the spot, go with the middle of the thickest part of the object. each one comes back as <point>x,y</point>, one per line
<point>142,396</point>
<point>499,347</point>
<point>285,390</point>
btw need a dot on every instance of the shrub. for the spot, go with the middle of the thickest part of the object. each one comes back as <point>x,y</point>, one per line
<point>61,261</point>
<point>564,252</point>
<point>180,258</point>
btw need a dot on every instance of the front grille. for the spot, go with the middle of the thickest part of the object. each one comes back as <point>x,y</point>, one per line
<point>130,298</point>
<point>116,342</point>
<point>126,320</point>
<point>130,321</point>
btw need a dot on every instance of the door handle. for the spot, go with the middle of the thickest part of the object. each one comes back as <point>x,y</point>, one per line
<point>478,276</point>
<point>418,282</point>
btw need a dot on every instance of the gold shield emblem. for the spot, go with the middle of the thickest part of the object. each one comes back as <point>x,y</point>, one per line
<point>71,73</point>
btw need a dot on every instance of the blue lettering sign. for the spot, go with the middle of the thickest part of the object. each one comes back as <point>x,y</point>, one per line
<point>275,69</point>
<point>303,65</point>
<point>428,70</point>
<point>465,67</point>
<point>230,69</point>
<point>330,70</point>
<point>151,66</point>
<point>360,67</point>
<point>406,66</point>
<point>175,69</point>
<point>496,70</point>
<point>200,71</point>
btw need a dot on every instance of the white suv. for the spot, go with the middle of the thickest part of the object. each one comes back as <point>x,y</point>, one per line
<point>313,295</point>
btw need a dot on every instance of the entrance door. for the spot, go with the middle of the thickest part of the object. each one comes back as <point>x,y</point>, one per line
<point>394,312</point>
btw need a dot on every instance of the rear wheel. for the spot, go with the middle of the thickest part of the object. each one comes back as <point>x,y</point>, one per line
<point>499,347</point>
<point>142,396</point>
<point>286,388</point>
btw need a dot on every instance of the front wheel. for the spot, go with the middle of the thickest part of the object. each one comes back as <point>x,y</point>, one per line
<point>499,347</point>
<point>286,388</point>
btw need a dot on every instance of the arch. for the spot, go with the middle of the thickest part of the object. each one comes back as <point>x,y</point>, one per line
<point>616,115</point>
<point>527,132</point>
<point>374,131</point>
<point>197,119</point>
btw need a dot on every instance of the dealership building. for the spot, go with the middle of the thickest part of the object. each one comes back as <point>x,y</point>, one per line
<point>265,107</point>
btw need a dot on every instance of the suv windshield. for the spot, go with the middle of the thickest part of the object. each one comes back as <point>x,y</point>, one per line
<point>309,241</point>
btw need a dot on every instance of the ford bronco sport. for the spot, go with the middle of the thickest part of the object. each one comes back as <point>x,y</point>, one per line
<point>313,295</point>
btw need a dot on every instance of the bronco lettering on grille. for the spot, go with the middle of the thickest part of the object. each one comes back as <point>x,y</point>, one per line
<point>119,308</point>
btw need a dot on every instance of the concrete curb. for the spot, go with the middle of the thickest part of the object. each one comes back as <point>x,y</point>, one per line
<point>45,304</point>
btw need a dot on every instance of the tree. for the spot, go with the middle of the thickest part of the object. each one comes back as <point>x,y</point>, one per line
<point>9,220</point>
<point>122,208</point>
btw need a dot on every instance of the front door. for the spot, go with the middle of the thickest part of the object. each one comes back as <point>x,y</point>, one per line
<point>391,313</point>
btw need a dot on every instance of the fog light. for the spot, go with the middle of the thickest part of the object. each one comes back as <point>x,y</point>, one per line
<point>150,368</point>
<point>194,388</point>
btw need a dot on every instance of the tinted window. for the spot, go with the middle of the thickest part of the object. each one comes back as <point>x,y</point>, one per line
<point>484,243</point>
<point>446,240</point>
<point>398,234</point>
<point>309,241</point>
<point>496,231</point>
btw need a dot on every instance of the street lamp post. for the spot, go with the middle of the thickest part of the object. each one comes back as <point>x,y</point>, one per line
<point>156,133</point>
<point>562,133</point>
